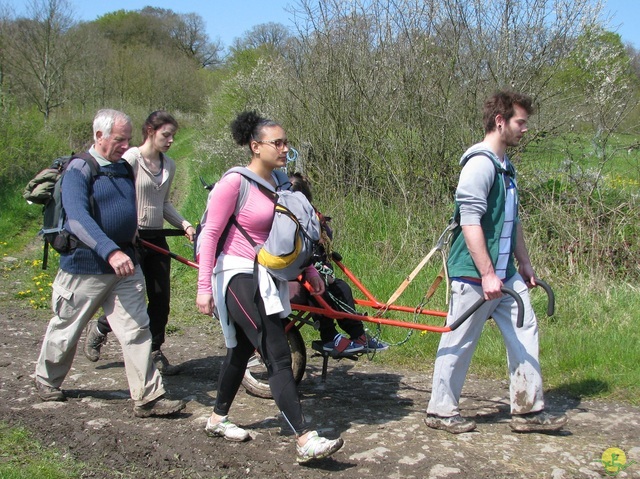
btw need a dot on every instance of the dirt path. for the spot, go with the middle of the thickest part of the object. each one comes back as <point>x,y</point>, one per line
<point>377,411</point>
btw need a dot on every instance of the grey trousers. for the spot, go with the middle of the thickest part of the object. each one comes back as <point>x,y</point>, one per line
<point>75,300</point>
<point>456,349</point>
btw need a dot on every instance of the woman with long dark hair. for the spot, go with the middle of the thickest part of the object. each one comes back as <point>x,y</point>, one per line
<point>154,172</point>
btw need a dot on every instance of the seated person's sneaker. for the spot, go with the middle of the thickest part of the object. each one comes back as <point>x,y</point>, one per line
<point>540,421</point>
<point>226,429</point>
<point>159,407</point>
<point>317,447</point>
<point>371,344</point>
<point>453,424</point>
<point>342,346</point>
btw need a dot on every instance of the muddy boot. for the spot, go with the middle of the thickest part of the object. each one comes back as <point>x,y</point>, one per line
<point>159,407</point>
<point>48,393</point>
<point>454,424</point>
<point>93,342</point>
<point>540,421</point>
<point>162,364</point>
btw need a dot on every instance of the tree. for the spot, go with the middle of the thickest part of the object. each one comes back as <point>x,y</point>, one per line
<point>388,92</point>
<point>130,28</point>
<point>271,36</point>
<point>162,28</point>
<point>38,53</point>
<point>188,33</point>
<point>600,79</point>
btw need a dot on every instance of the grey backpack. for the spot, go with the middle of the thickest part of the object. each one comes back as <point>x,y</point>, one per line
<point>295,231</point>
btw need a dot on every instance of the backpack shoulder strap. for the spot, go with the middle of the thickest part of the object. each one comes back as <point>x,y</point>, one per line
<point>89,160</point>
<point>282,180</point>
<point>130,172</point>
<point>509,171</point>
<point>95,167</point>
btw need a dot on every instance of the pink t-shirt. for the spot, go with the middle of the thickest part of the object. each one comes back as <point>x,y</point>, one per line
<point>256,217</point>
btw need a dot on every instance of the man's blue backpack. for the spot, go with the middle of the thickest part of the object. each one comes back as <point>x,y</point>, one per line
<point>45,189</point>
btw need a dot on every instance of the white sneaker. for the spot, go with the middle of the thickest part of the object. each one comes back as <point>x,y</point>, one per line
<point>226,429</point>
<point>317,447</point>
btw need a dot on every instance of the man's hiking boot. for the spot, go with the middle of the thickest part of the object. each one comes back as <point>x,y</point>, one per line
<point>162,364</point>
<point>317,447</point>
<point>342,346</point>
<point>540,421</point>
<point>93,342</point>
<point>48,393</point>
<point>226,429</point>
<point>454,424</point>
<point>159,407</point>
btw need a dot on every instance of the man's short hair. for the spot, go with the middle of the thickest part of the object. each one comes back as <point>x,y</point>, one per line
<point>104,121</point>
<point>502,104</point>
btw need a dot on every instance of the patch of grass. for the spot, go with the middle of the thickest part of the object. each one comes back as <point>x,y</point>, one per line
<point>29,281</point>
<point>19,221</point>
<point>21,457</point>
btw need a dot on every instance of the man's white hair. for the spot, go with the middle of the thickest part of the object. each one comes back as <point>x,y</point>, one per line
<point>104,121</point>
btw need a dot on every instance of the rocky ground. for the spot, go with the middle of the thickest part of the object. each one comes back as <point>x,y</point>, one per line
<point>378,411</point>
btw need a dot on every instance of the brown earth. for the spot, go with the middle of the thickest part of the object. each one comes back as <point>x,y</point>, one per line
<point>377,410</point>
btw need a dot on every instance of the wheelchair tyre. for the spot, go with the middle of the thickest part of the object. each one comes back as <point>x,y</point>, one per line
<point>255,379</point>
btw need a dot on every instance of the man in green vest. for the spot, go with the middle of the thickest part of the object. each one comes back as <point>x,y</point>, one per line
<point>484,245</point>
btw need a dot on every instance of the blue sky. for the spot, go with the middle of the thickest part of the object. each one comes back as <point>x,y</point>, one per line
<point>229,19</point>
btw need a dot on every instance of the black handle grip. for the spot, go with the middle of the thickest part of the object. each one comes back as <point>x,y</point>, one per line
<point>150,234</point>
<point>480,302</point>
<point>551,298</point>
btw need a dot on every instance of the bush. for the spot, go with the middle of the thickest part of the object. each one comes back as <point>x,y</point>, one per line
<point>28,145</point>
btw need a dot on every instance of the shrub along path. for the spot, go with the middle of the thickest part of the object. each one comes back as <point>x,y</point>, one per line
<point>378,411</point>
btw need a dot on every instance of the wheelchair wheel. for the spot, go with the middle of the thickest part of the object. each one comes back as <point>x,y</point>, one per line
<point>255,379</point>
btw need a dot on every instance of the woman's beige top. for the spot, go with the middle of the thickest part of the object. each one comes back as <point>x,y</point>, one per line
<point>152,191</point>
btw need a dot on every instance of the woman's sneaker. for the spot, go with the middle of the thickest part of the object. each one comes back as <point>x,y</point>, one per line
<point>226,429</point>
<point>342,346</point>
<point>317,447</point>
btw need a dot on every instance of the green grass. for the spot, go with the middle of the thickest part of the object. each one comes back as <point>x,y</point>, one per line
<point>19,221</point>
<point>21,457</point>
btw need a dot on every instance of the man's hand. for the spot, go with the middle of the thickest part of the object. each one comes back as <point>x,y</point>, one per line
<point>121,264</point>
<point>527,273</point>
<point>491,286</point>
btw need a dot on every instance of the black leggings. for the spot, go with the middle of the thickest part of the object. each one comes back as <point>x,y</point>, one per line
<point>340,290</point>
<point>256,330</point>
<point>156,268</point>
